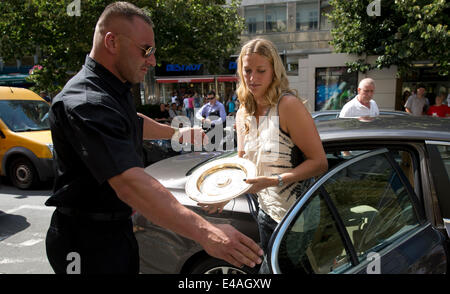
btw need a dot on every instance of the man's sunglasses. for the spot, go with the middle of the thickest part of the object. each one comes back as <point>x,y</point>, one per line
<point>147,52</point>
<point>210,98</point>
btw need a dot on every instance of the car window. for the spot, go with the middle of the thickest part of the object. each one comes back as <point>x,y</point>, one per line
<point>439,158</point>
<point>371,200</point>
<point>25,115</point>
<point>403,158</point>
<point>444,151</point>
<point>313,243</point>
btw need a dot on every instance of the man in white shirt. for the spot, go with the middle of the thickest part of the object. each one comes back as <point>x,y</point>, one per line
<point>362,104</point>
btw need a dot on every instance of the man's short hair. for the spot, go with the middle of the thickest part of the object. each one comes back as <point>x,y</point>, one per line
<point>365,81</point>
<point>420,85</point>
<point>122,9</point>
<point>212,93</point>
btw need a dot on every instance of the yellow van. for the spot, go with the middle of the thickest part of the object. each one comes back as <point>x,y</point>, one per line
<point>26,148</point>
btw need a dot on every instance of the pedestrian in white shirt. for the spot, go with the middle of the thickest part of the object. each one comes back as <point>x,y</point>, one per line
<point>362,104</point>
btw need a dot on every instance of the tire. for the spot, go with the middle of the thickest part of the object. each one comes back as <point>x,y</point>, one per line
<point>22,173</point>
<point>210,265</point>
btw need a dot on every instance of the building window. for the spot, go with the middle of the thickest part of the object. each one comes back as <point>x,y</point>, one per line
<point>325,7</point>
<point>307,15</point>
<point>254,19</point>
<point>276,16</point>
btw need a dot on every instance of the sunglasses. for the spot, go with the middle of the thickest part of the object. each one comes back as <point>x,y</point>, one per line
<point>210,98</point>
<point>146,52</point>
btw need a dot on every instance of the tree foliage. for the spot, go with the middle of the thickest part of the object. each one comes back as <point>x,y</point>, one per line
<point>406,31</point>
<point>185,31</point>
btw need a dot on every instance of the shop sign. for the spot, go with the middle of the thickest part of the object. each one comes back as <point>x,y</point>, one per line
<point>232,65</point>
<point>183,67</point>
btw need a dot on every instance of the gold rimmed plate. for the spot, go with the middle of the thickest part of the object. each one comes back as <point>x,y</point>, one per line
<point>220,180</point>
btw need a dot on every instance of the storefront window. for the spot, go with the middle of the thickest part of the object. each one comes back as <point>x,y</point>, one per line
<point>307,15</point>
<point>276,18</point>
<point>254,19</point>
<point>334,87</point>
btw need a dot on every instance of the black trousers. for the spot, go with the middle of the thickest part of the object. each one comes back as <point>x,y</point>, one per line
<point>79,245</point>
<point>266,226</point>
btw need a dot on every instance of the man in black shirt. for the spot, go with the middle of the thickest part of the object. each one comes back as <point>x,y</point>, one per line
<point>97,138</point>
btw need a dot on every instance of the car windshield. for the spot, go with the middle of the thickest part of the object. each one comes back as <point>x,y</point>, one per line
<point>25,115</point>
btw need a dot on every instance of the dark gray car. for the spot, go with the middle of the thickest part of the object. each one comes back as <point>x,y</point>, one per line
<point>383,206</point>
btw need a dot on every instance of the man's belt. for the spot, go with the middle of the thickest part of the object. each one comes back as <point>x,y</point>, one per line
<point>95,216</point>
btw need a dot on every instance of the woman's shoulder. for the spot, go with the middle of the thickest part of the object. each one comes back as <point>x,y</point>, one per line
<point>289,102</point>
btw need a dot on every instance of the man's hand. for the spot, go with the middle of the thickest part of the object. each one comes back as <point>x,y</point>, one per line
<point>142,192</point>
<point>226,243</point>
<point>194,136</point>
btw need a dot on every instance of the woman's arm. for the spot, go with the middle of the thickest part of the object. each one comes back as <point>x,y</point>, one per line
<point>296,120</point>
<point>240,127</point>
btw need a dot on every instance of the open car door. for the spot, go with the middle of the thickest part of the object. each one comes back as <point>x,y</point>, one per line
<point>362,216</point>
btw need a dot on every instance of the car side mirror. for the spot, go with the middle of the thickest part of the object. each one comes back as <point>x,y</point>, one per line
<point>2,135</point>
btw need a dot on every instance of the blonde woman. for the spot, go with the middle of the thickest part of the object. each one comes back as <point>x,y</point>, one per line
<point>276,132</point>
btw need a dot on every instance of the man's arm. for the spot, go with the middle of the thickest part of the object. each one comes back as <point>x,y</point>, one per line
<point>408,105</point>
<point>155,130</point>
<point>223,116</point>
<point>199,113</point>
<point>344,111</point>
<point>156,203</point>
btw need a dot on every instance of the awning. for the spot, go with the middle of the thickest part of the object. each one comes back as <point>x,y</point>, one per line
<point>185,80</point>
<point>228,79</point>
<point>197,80</point>
<point>13,79</point>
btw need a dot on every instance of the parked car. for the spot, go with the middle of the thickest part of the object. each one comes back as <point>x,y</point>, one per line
<point>156,150</point>
<point>332,114</point>
<point>26,148</point>
<point>383,206</point>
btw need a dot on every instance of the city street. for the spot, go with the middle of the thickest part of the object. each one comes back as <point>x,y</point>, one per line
<point>24,221</point>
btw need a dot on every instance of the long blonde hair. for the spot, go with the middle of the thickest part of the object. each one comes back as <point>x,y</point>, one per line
<point>279,85</point>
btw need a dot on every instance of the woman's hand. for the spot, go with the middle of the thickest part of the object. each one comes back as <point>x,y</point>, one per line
<point>213,207</point>
<point>260,183</point>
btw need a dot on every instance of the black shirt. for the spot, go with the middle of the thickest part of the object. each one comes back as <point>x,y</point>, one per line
<point>96,135</point>
<point>163,114</point>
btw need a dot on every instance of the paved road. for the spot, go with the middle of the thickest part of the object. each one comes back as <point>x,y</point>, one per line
<point>24,221</point>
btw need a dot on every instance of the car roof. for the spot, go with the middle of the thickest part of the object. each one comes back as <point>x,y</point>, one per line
<point>385,127</point>
<point>334,111</point>
<point>14,93</point>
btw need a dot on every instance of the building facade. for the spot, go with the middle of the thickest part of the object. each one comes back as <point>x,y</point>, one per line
<point>301,32</point>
